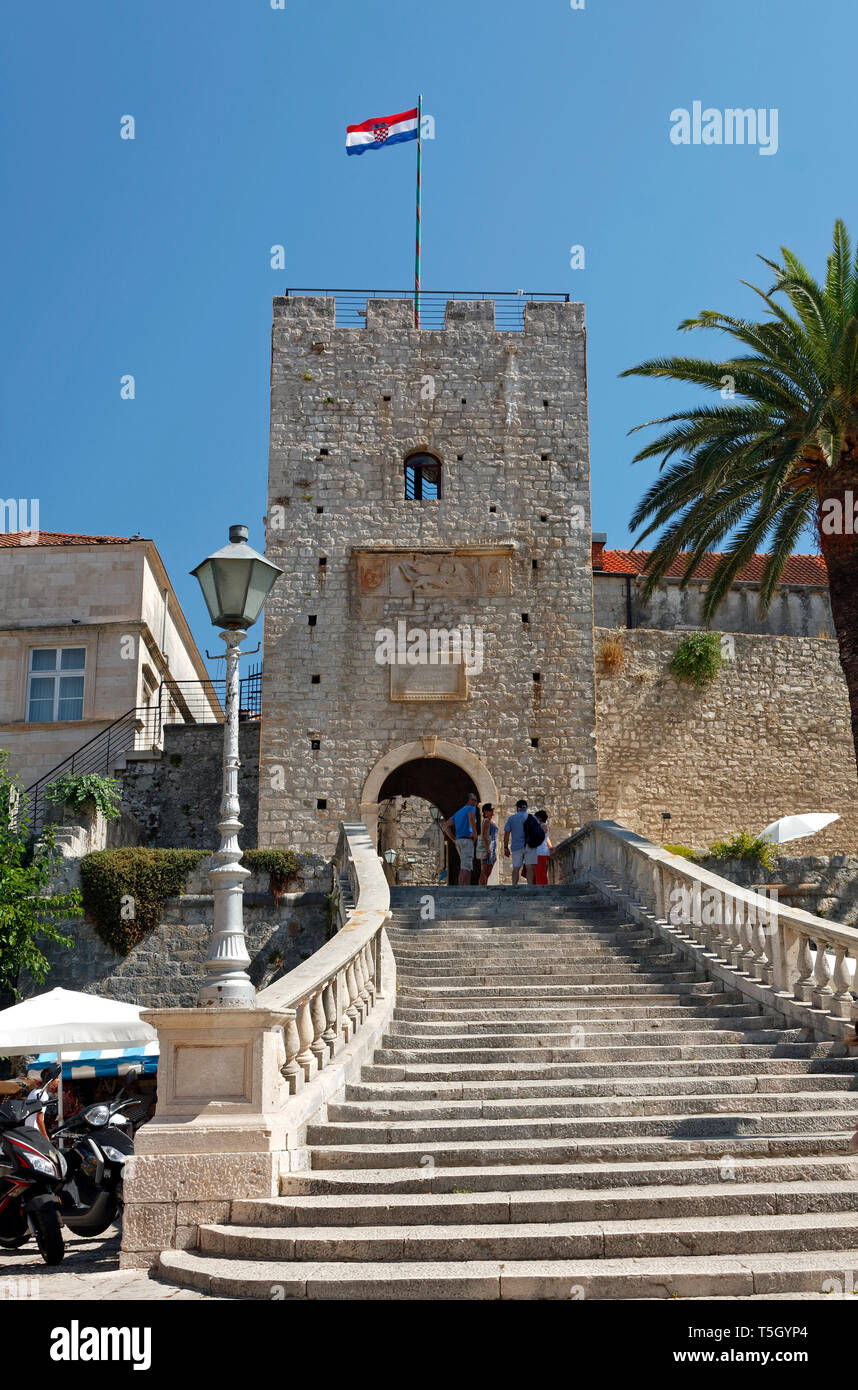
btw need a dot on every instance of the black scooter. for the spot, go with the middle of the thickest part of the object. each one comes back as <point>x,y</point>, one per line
<point>96,1143</point>
<point>32,1171</point>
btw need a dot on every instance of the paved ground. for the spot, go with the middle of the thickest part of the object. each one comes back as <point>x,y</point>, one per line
<point>90,1271</point>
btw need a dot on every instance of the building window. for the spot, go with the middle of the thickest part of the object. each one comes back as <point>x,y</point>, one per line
<point>55,686</point>
<point>422,478</point>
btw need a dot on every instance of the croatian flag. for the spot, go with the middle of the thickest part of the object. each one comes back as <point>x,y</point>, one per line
<point>379,131</point>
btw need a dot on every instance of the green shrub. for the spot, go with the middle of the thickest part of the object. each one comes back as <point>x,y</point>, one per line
<point>697,659</point>
<point>281,865</point>
<point>745,846</point>
<point>124,889</point>
<point>683,851</point>
<point>86,789</point>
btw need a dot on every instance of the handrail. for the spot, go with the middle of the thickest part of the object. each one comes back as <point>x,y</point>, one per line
<point>333,993</point>
<point>93,756</point>
<point>771,952</point>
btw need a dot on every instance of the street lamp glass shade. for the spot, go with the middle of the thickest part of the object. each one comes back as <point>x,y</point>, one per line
<point>236,581</point>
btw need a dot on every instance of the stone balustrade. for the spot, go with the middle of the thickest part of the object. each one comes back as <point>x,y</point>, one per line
<point>237,1087</point>
<point>778,955</point>
<point>330,996</point>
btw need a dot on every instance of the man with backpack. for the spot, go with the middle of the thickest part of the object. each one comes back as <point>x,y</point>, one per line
<point>522,836</point>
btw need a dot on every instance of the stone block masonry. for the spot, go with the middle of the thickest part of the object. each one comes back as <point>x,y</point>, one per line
<point>769,737</point>
<point>175,796</point>
<point>504,549</point>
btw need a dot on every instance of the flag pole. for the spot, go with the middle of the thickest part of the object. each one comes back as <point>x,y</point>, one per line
<point>419,200</point>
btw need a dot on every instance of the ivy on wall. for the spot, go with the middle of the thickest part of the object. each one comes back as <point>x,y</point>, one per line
<point>124,889</point>
<point>697,659</point>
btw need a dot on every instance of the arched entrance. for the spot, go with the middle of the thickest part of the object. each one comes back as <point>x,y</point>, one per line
<point>432,768</point>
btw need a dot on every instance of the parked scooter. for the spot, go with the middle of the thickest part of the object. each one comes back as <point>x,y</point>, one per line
<point>32,1171</point>
<point>96,1143</point>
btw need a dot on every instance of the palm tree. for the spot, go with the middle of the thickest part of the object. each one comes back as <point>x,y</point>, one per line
<point>777,455</point>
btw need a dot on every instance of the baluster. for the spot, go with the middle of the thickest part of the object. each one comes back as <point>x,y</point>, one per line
<point>329,1001</point>
<point>736,947</point>
<point>346,1022</point>
<point>360,998</point>
<point>763,967</point>
<point>305,1058</point>
<point>291,1071</point>
<point>318,1046</point>
<point>823,993</point>
<point>804,983</point>
<point>841,1001</point>
<point>370,973</point>
<point>353,1009</point>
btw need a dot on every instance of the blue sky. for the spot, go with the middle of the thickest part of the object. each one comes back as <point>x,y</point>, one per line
<point>151,256</point>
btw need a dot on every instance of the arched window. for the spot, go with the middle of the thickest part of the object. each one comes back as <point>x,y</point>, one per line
<point>422,478</point>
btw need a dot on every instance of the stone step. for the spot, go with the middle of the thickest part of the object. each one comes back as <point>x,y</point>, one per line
<point>571,1013</point>
<point>704,1167</point>
<point>539,1240</point>
<point>736,1065</point>
<point>439,1154</point>
<point>679,1085</point>
<point>678,1277</point>
<point>619,1055</point>
<point>474,991</point>
<point>658,1123</point>
<point>628,1204</point>
<point>416,1032</point>
<point>493,1108</point>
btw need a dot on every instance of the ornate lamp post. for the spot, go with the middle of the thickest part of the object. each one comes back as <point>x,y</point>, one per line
<point>235,582</point>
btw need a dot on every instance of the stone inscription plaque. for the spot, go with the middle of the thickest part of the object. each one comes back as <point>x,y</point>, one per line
<point>433,574</point>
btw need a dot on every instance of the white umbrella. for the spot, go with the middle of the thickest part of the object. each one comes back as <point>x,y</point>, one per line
<point>794,827</point>
<point>63,1019</point>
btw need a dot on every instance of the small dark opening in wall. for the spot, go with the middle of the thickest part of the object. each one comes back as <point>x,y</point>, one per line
<point>546,404</point>
<point>315,744</point>
<point>312,620</point>
<point>525,617</point>
<point>460,458</point>
<point>537,676</point>
<point>492,509</point>
<point>464,400</point>
<point>321,804</point>
<point>385,398</point>
<point>319,511</point>
<point>534,743</point>
<point>543,517</point>
<point>545,457</point>
<point>323,560</point>
<point>315,680</point>
<point>534,564</point>
<point>323,453</point>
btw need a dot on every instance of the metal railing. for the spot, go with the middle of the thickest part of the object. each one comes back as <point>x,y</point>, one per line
<point>142,728</point>
<point>509,304</point>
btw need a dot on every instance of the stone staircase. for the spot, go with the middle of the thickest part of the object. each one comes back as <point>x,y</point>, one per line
<point>559,1110</point>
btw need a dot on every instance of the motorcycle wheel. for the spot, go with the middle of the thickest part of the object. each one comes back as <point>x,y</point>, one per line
<point>16,1233</point>
<point>13,1242</point>
<point>49,1235</point>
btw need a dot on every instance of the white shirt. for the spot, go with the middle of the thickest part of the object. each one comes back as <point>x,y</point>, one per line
<point>32,1121</point>
<point>543,850</point>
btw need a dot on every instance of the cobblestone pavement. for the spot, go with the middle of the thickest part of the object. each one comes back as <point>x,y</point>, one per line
<point>89,1272</point>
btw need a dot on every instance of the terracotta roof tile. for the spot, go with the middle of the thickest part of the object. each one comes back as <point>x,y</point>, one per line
<point>799,569</point>
<point>28,538</point>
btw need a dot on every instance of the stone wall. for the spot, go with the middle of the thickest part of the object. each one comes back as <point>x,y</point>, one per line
<point>406,824</point>
<point>825,885</point>
<point>165,969</point>
<point>175,796</point>
<point>797,610</point>
<point>506,415</point>
<point>770,737</point>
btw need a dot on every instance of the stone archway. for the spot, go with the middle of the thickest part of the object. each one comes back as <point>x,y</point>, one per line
<point>421,754</point>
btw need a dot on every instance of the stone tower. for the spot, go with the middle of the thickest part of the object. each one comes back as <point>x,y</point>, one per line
<point>429,500</point>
